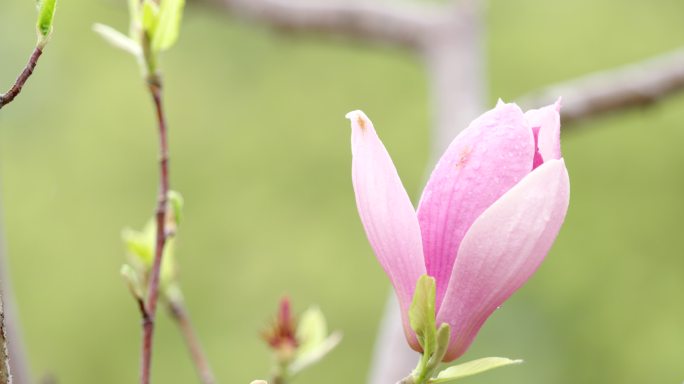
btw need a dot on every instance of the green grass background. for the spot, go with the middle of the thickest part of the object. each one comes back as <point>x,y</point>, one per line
<point>260,150</point>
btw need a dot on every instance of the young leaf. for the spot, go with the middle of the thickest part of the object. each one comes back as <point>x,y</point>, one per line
<point>134,10</point>
<point>422,313</point>
<point>140,244</point>
<point>315,343</point>
<point>311,330</point>
<point>176,204</point>
<point>314,355</point>
<point>150,17</point>
<point>46,12</point>
<point>132,280</point>
<point>471,368</point>
<point>117,39</point>
<point>168,26</point>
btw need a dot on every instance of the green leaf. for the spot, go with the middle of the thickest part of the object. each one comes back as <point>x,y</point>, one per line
<point>315,354</point>
<point>150,17</point>
<point>168,27</point>
<point>314,342</point>
<point>134,10</point>
<point>46,13</point>
<point>471,368</point>
<point>311,330</point>
<point>176,204</point>
<point>132,280</point>
<point>169,267</point>
<point>117,39</point>
<point>141,245</point>
<point>422,313</point>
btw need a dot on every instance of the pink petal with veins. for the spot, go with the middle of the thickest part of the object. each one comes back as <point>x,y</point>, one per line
<point>488,158</point>
<point>502,249</point>
<point>387,214</point>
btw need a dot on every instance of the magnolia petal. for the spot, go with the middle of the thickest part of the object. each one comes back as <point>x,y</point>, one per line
<point>386,213</point>
<point>488,158</point>
<point>546,121</point>
<point>502,250</point>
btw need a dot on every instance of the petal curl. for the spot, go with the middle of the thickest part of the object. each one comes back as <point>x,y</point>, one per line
<point>502,250</point>
<point>546,121</point>
<point>387,214</point>
<point>488,158</point>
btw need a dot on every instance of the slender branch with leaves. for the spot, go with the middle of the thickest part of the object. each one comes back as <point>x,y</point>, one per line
<point>46,14</point>
<point>151,273</point>
<point>44,25</point>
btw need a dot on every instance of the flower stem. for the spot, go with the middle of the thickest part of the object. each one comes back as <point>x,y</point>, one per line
<point>180,315</point>
<point>155,88</point>
<point>9,96</point>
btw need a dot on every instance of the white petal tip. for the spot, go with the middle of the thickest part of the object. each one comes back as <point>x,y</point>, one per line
<point>358,119</point>
<point>559,103</point>
<point>355,114</point>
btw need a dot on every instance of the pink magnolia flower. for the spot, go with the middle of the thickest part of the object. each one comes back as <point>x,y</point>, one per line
<point>487,217</point>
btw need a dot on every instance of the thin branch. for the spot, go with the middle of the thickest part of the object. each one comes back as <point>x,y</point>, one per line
<point>180,315</point>
<point>14,343</point>
<point>402,24</point>
<point>8,319</point>
<point>9,96</point>
<point>637,84</point>
<point>5,374</point>
<point>155,87</point>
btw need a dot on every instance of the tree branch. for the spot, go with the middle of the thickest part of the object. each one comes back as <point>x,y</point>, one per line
<point>402,24</point>
<point>5,375</point>
<point>9,96</point>
<point>637,84</point>
<point>180,315</point>
<point>155,87</point>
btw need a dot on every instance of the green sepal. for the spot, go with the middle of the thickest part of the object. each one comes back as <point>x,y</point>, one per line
<point>168,24</point>
<point>46,14</point>
<point>471,368</point>
<point>422,313</point>
<point>441,346</point>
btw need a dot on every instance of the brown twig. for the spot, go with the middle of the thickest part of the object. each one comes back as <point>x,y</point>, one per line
<point>180,315</point>
<point>9,96</point>
<point>8,322</point>
<point>5,374</point>
<point>638,84</point>
<point>155,88</point>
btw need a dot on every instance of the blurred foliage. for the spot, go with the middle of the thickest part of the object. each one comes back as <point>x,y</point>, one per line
<point>260,151</point>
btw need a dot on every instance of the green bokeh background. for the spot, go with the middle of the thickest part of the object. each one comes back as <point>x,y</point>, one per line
<point>260,150</point>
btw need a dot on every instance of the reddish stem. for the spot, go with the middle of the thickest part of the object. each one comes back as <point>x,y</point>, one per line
<point>201,364</point>
<point>153,290</point>
<point>21,80</point>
